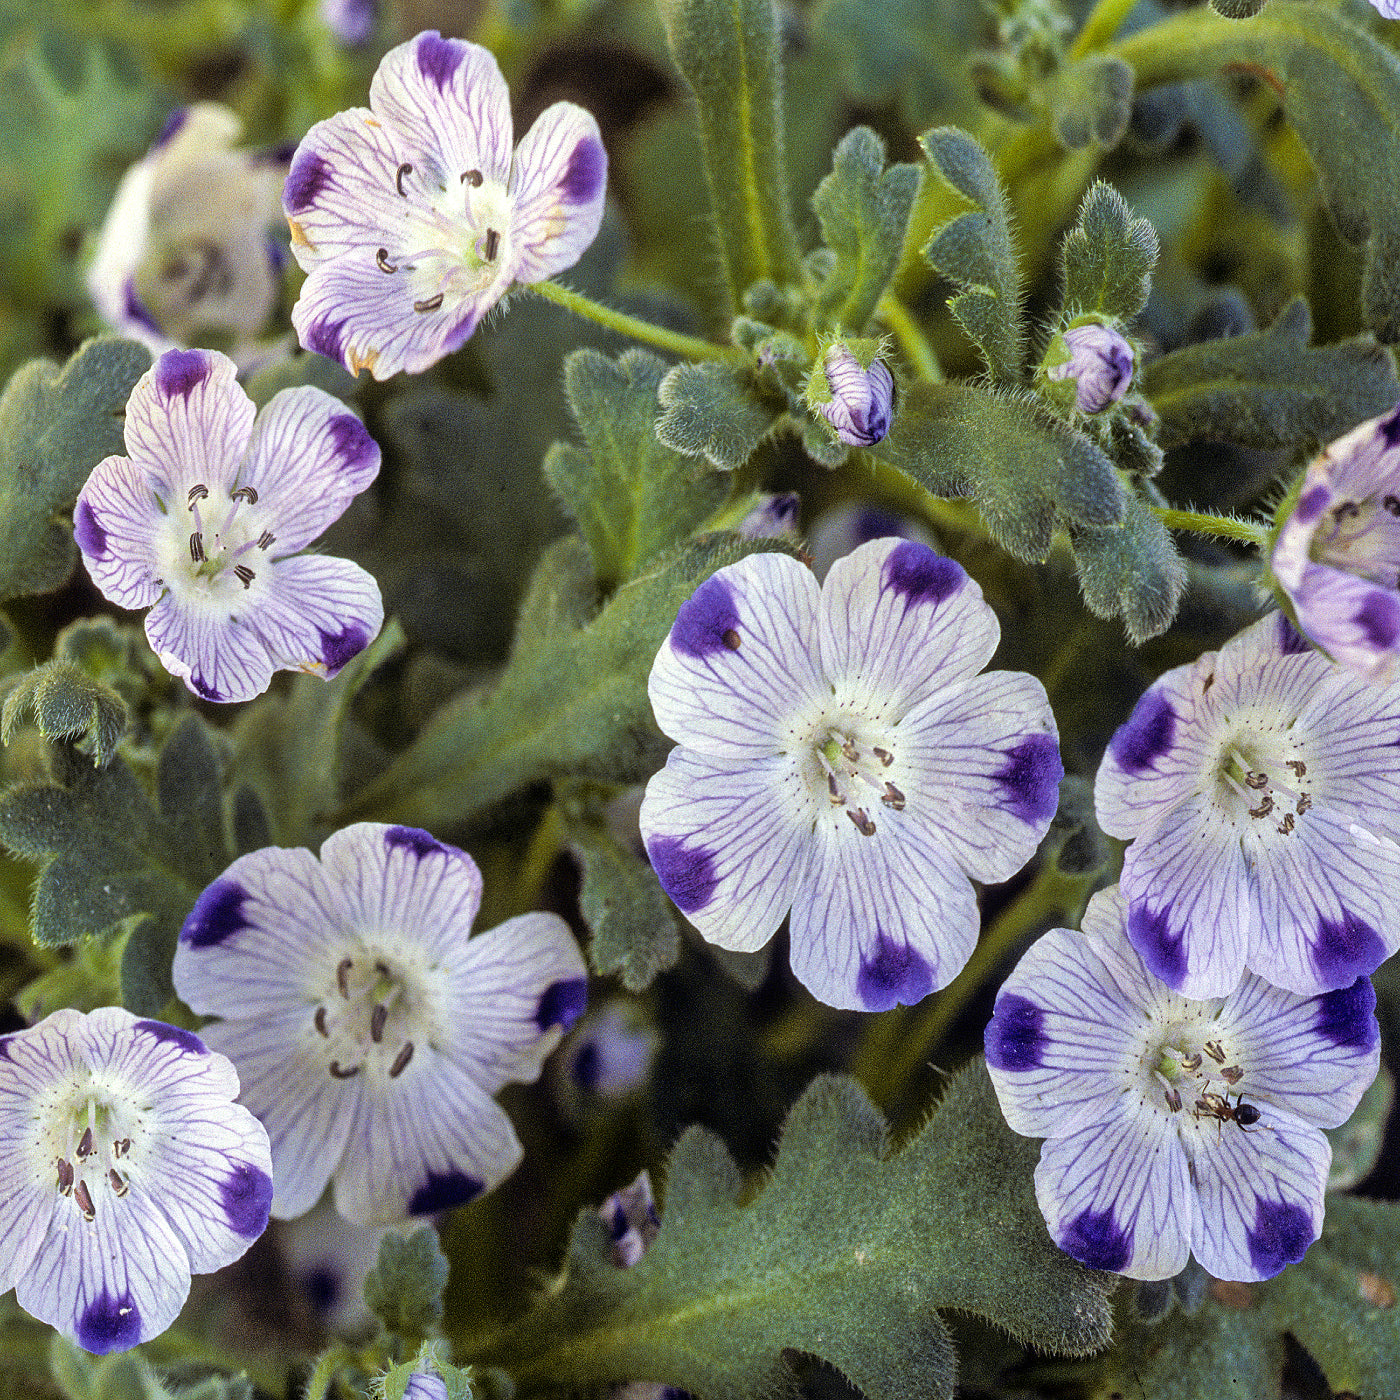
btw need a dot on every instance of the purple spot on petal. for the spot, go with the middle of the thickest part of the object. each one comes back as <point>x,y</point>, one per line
<point>1291,641</point>
<point>1312,503</point>
<point>1146,735</point>
<point>351,439</point>
<point>134,309</point>
<point>588,168</point>
<point>188,1041</point>
<point>686,873</point>
<point>562,1003</point>
<point>91,537</point>
<point>1014,1038</point>
<point>326,338</point>
<point>1150,932</point>
<point>339,647</point>
<point>1095,1239</point>
<point>893,974</point>
<point>205,691</point>
<point>439,58</point>
<point>1032,779</point>
<point>306,181</point>
<point>246,1196</point>
<point>1379,618</point>
<point>1390,427</point>
<point>1347,1016</point>
<point>217,915</point>
<point>415,839</point>
<point>921,575</point>
<point>703,620</point>
<point>109,1323</point>
<point>180,372</point>
<point>872,523</point>
<point>173,123</point>
<point>1345,948</point>
<point>1281,1235</point>
<point>444,1190</point>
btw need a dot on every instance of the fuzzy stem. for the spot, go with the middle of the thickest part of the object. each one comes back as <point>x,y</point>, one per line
<point>1104,21</point>
<point>1222,526</point>
<point>688,347</point>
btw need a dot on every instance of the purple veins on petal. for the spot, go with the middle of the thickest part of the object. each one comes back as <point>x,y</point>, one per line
<point>1344,948</point>
<point>893,974</point>
<point>587,169</point>
<point>1347,1017</point>
<point>442,1191</point>
<point>326,338</point>
<point>339,647</point>
<point>1281,1235</point>
<point>1032,778</point>
<point>1147,734</point>
<point>1291,641</point>
<point>180,372</point>
<point>306,180</point>
<point>246,1197</point>
<point>217,915</point>
<point>686,873</point>
<point>704,619</point>
<point>111,1322</point>
<point>188,1041</point>
<point>562,1003</point>
<point>91,537</point>
<point>1015,1038</point>
<point>1379,618</point>
<point>439,58</point>
<point>1150,932</point>
<point>923,576</point>
<point>415,839</point>
<point>1093,1237</point>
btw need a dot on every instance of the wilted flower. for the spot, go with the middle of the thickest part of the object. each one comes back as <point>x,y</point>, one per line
<point>1174,1126</point>
<point>853,390</point>
<point>187,252</point>
<point>205,517</point>
<point>415,216</point>
<point>1337,556</point>
<point>1260,788</point>
<point>369,1031</point>
<point>839,755</point>
<point>1098,359</point>
<point>125,1167</point>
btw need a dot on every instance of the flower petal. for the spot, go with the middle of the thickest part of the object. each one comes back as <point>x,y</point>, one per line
<point>316,614</point>
<point>1351,727</point>
<point>217,654</point>
<point>1356,622</point>
<point>115,522</point>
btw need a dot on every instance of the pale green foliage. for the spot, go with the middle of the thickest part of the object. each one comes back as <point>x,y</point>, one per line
<point>1270,388</point>
<point>845,1252</point>
<point>709,411</point>
<point>67,704</point>
<point>1106,259</point>
<point>404,1289</point>
<point>394,1382</point>
<point>1091,100</point>
<point>1357,1143</point>
<point>1132,571</point>
<point>123,1376</point>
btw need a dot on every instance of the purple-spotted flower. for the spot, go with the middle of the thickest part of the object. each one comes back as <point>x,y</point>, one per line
<point>1260,787</point>
<point>840,756</point>
<point>415,216</point>
<point>369,1030</point>
<point>187,252</point>
<point>203,521</point>
<point>1337,555</point>
<point>125,1167</point>
<point>1174,1126</point>
<point>1097,359</point>
<point>853,389</point>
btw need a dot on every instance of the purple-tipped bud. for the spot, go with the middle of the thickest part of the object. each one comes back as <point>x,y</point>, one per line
<point>772,518</point>
<point>425,1385</point>
<point>862,397</point>
<point>1100,361</point>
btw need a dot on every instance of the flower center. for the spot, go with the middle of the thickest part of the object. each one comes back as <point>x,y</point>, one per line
<point>1361,537</point>
<point>93,1135</point>
<point>856,774</point>
<point>219,546</point>
<point>1260,787</point>
<point>366,1016</point>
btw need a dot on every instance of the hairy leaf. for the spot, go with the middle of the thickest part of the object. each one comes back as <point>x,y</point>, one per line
<point>1132,571</point>
<point>67,703</point>
<point>712,411</point>
<point>404,1289</point>
<point>1107,258</point>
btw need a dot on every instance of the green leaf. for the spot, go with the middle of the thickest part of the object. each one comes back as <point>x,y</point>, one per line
<point>729,53</point>
<point>404,1289</point>
<point>977,253</point>
<point>111,858</point>
<point>1357,1143</point>
<point>631,494</point>
<point>1270,388</point>
<point>571,703</point>
<point>125,1376</point>
<point>845,1253</point>
<point>55,427</point>
<point>711,411</point>
<point>1029,472</point>
<point>1133,571</point>
<point>863,209</point>
<point>1091,101</point>
<point>67,704</point>
<point>1107,258</point>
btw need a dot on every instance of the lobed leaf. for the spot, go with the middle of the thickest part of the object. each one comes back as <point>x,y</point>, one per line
<point>1107,258</point>
<point>711,411</point>
<point>1132,571</point>
<point>404,1289</point>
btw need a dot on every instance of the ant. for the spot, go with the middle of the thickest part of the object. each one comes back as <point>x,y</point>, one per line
<point>1223,1111</point>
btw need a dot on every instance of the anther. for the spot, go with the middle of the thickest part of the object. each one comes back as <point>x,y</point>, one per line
<point>1258,781</point>
<point>244,574</point>
<point>65,1175</point>
<point>381,261</point>
<point>1263,809</point>
<point>1173,1100</point>
<point>1348,510</point>
<point>83,1196</point>
<point>342,976</point>
<point>1232,1074</point>
<point>85,1144</point>
<point>1286,825</point>
<point>377,1020</point>
<point>197,493</point>
<point>265,539</point>
<point>893,797</point>
<point>1392,504</point>
<point>884,755</point>
<point>338,1073</point>
<point>404,169</point>
<point>1298,766</point>
<point>1214,1050</point>
<point>472,178</point>
<point>245,493</point>
<point>1304,802</point>
<point>864,825</point>
<point>837,799</point>
<point>319,1021</point>
<point>1207,683</point>
<point>731,639</point>
<point>121,1148</point>
<point>849,751</point>
<point>118,1182</point>
<point>401,1060</point>
<point>431,304</point>
<point>197,547</point>
<point>493,244</point>
<point>1191,1062</point>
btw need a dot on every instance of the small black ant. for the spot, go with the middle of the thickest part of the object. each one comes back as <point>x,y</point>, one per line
<point>1223,1111</point>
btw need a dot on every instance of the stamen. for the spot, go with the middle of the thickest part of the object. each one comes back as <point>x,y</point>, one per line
<point>884,755</point>
<point>342,976</point>
<point>1213,1049</point>
<point>862,821</point>
<point>245,493</point>
<point>404,169</point>
<point>1173,1100</point>
<point>118,1182</point>
<point>472,178</point>
<point>401,1060</point>
<point>197,493</point>
<point>319,1021</point>
<point>838,798</point>
<point>431,304</point>
<point>381,261</point>
<point>1263,809</point>
<point>85,1144</point>
<point>197,547</point>
<point>1392,504</point>
<point>1232,1074</point>
<point>893,797</point>
<point>65,1175</point>
<point>1191,1062</point>
<point>1348,510</point>
<point>1258,781</point>
<point>83,1196</point>
<point>265,539</point>
<point>1286,825</point>
<point>493,243</point>
<point>1298,766</point>
<point>377,1020</point>
<point>731,639</point>
<point>338,1073</point>
<point>120,1149</point>
<point>244,574</point>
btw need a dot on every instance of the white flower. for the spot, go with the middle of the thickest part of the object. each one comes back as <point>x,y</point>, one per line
<point>1260,787</point>
<point>125,1166</point>
<point>1174,1126</point>
<point>838,755</point>
<point>369,1031</point>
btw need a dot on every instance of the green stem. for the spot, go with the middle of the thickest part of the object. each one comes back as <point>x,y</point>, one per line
<point>1225,527</point>
<point>688,347</point>
<point>910,337</point>
<point>323,1375</point>
<point>1105,20</point>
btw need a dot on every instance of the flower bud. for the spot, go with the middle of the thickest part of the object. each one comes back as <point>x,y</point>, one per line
<point>853,390</point>
<point>1098,359</point>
